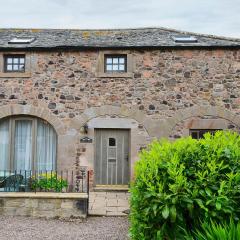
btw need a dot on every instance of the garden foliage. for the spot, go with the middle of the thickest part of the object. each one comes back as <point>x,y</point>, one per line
<point>180,184</point>
<point>49,182</point>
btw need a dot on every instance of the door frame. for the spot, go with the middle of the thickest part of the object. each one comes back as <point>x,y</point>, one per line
<point>129,158</point>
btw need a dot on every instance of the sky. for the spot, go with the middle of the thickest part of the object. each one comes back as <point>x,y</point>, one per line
<point>218,17</point>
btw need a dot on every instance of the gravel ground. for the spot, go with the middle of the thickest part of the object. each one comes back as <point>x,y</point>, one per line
<point>94,228</point>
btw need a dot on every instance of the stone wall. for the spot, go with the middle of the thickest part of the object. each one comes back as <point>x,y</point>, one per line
<point>167,87</point>
<point>47,205</point>
<point>163,82</point>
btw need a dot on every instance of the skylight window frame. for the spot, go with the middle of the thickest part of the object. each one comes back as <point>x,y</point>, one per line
<point>22,40</point>
<point>185,39</point>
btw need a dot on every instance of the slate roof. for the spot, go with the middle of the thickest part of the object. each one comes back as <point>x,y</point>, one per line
<point>109,38</point>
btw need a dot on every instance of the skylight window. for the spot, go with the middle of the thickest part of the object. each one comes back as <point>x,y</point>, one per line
<point>21,40</point>
<point>185,39</point>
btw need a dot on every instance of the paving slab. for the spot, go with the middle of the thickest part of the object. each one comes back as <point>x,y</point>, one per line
<point>108,203</point>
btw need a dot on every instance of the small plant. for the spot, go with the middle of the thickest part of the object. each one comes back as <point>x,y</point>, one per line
<point>213,231</point>
<point>48,182</point>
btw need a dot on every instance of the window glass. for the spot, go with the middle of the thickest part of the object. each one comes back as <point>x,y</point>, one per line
<point>14,63</point>
<point>121,60</point>
<point>112,142</point>
<point>115,60</point>
<point>4,143</point>
<point>109,60</point>
<point>121,67</point>
<point>115,67</point>
<point>199,133</point>
<point>9,60</point>
<point>109,67</point>
<point>32,143</point>
<point>115,63</point>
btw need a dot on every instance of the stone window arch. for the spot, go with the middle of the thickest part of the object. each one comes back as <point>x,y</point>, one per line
<point>27,143</point>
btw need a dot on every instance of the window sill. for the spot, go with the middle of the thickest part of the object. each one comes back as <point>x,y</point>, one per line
<point>115,75</point>
<point>15,75</point>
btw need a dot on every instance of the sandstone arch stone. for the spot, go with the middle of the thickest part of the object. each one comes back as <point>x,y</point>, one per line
<point>16,109</point>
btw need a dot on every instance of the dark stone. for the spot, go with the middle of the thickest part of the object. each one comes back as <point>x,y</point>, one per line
<point>141,107</point>
<point>137,75</point>
<point>231,126</point>
<point>81,89</point>
<point>232,96</point>
<point>52,105</point>
<point>227,106</point>
<point>71,75</point>
<point>177,136</point>
<point>2,96</point>
<point>151,107</point>
<point>70,97</point>
<point>77,98</point>
<point>55,112</point>
<point>187,74</point>
<point>164,102</point>
<point>62,97</point>
<point>178,96</point>
<point>71,115</point>
<point>52,89</point>
<point>59,54</point>
<point>54,81</point>
<point>129,95</point>
<point>61,61</point>
<point>22,102</point>
<point>50,62</point>
<point>12,97</point>
<point>171,82</point>
<point>36,84</point>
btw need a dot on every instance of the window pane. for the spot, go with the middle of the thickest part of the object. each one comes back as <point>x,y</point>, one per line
<point>9,60</point>
<point>15,67</point>
<point>194,135</point>
<point>109,60</point>
<point>115,67</point>
<point>121,60</point>
<point>46,146</point>
<point>16,60</point>
<point>115,60</point>
<point>122,67</point>
<point>23,145</point>
<point>112,142</point>
<point>4,143</point>
<point>22,60</point>
<point>9,68</point>
<point>21,67</point>
<point>109,68</point>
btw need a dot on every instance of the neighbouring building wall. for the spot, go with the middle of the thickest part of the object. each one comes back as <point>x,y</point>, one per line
<point>165,92</point>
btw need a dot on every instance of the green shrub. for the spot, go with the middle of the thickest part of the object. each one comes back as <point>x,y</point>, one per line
<point>180,184</point>
<point>49,182</point>
<point>214,231</point>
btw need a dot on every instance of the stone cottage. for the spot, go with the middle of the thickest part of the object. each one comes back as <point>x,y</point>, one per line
<point>95,98</point>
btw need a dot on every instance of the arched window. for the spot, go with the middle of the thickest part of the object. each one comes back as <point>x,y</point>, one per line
<point>27,144</point>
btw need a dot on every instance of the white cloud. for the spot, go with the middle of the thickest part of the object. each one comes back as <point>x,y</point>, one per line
<point>205,16</point>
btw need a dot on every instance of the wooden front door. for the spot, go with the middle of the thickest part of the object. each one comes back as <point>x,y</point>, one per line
<point>111,157</point>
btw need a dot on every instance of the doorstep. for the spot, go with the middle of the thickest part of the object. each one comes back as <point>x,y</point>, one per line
<point>109,188</point>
